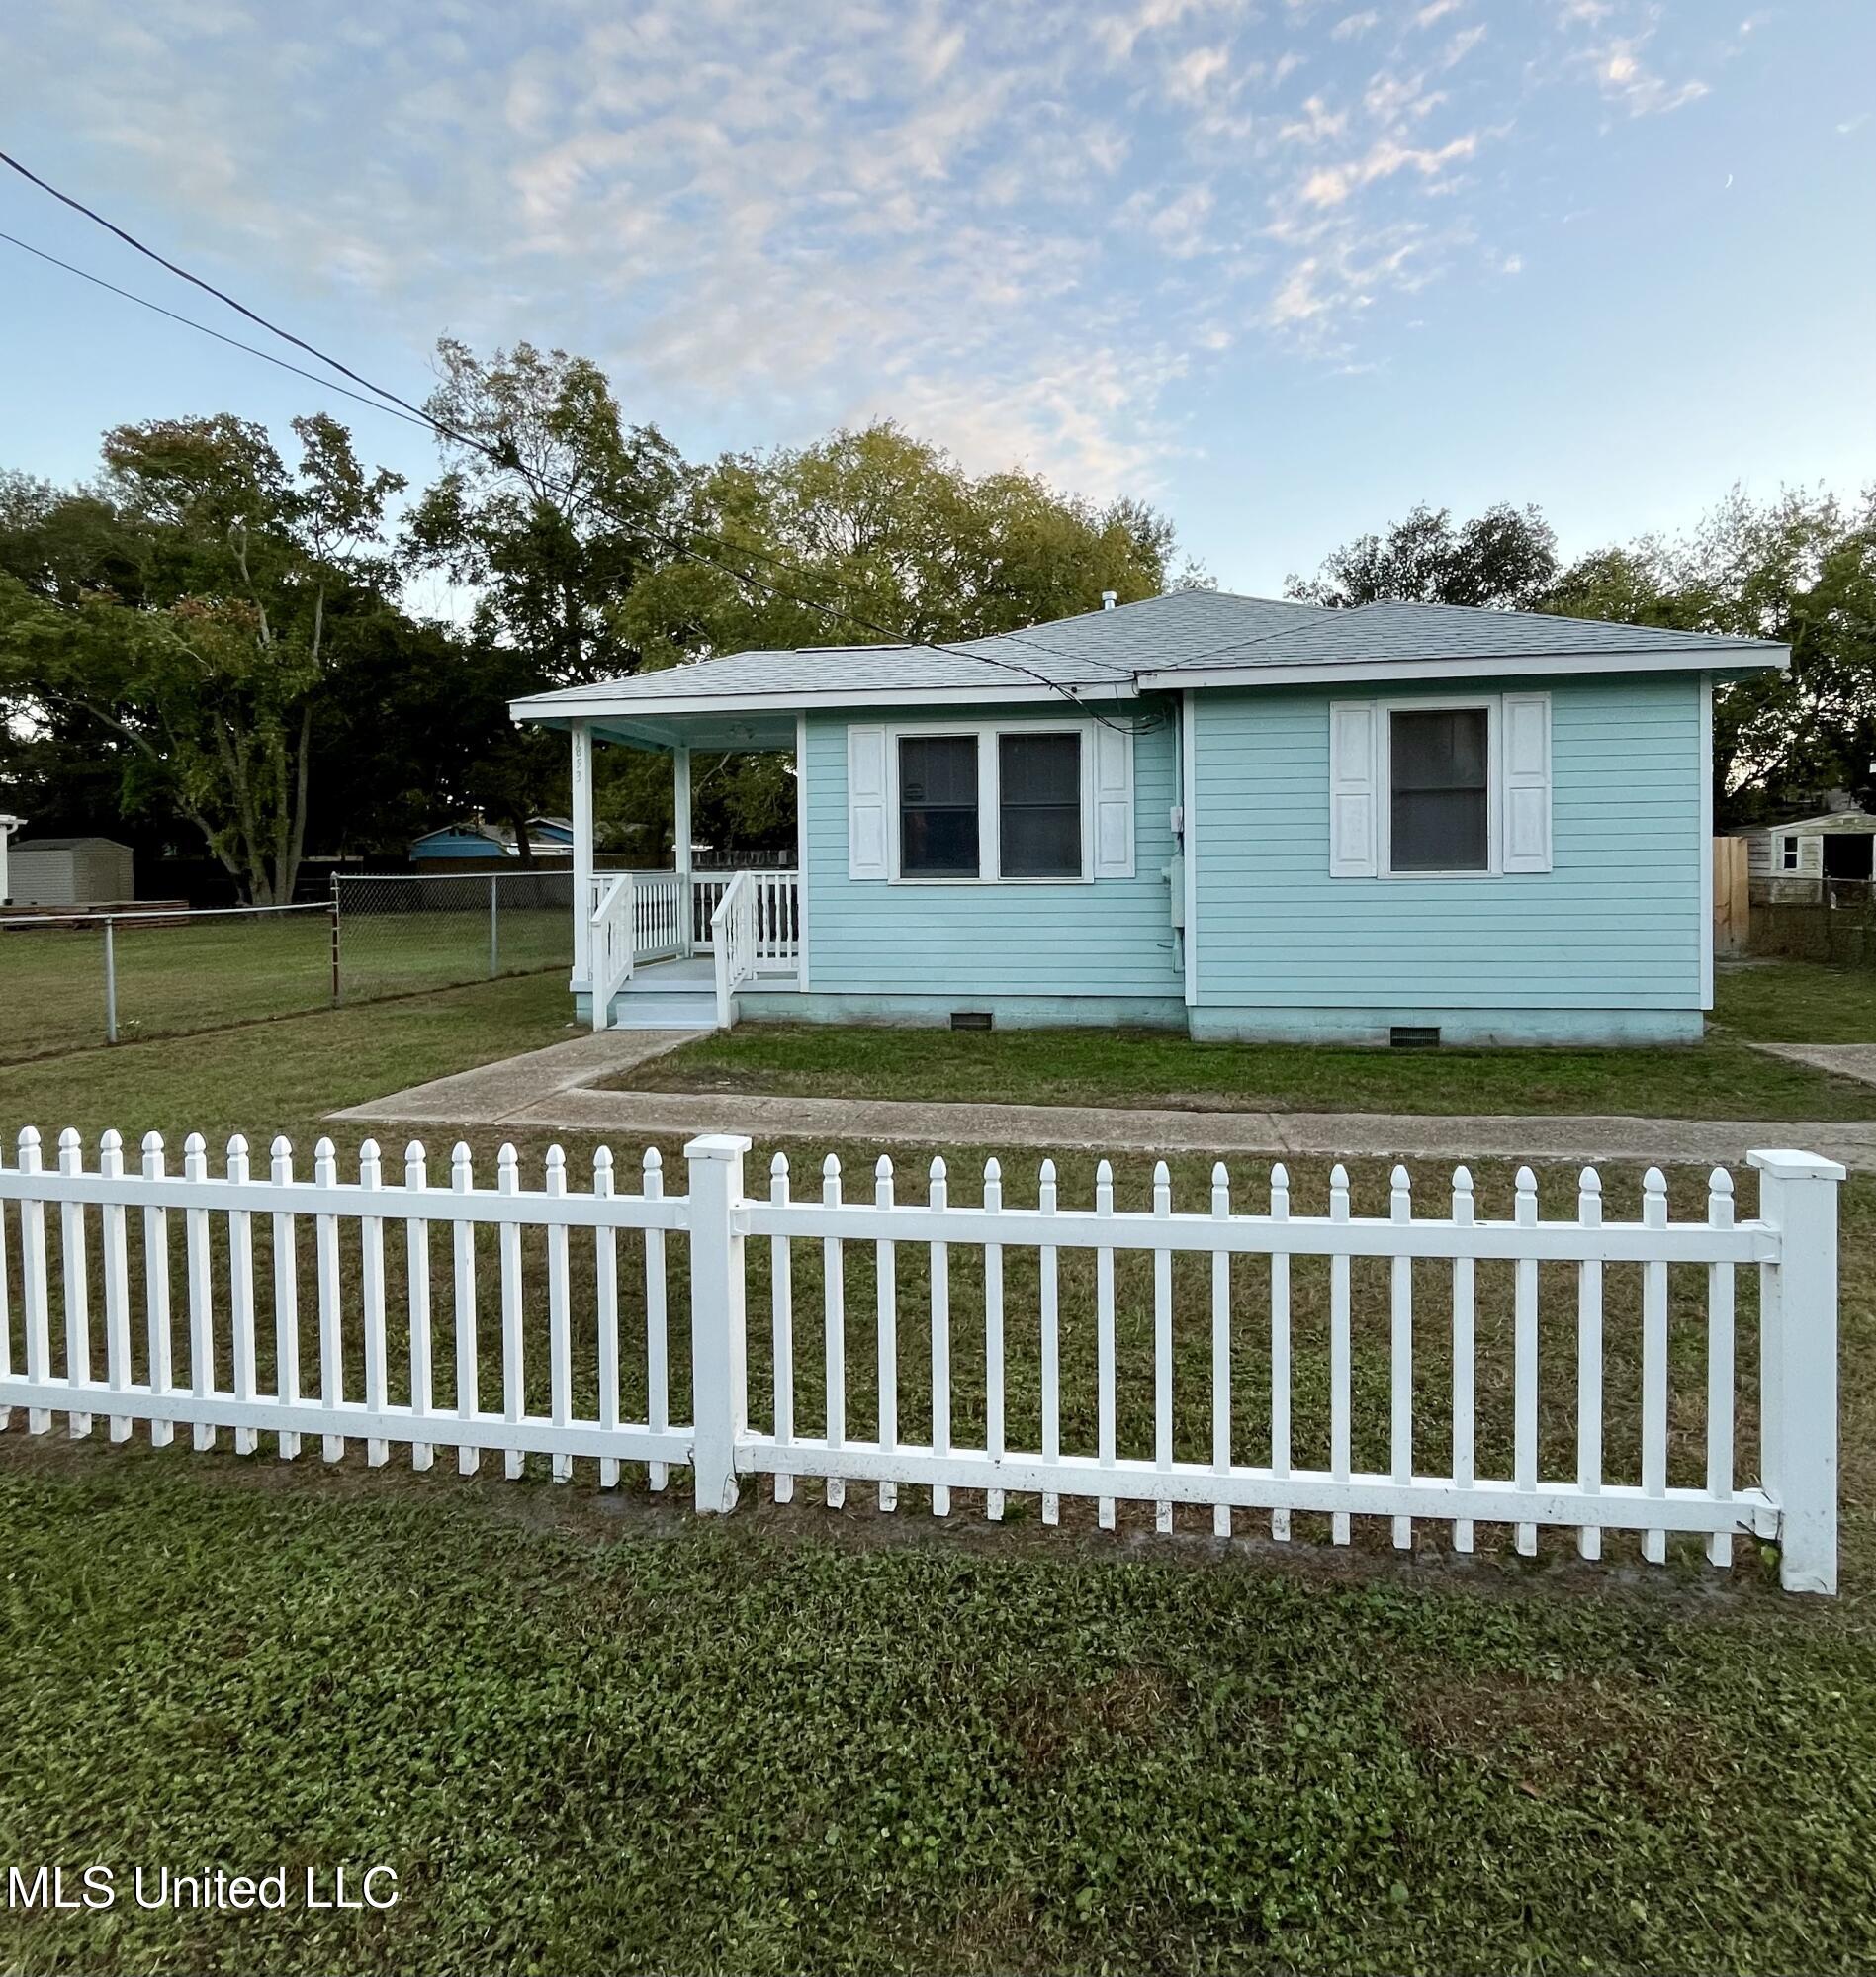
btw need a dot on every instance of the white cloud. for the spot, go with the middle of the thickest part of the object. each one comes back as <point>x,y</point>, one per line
<point>1191,77</point>
<point>1178,225</point>
<point>1316,124</point>
<point>1010,226</point>
<point>1626,79</point>
<point>1333,184</point>
<point>1460,45</point>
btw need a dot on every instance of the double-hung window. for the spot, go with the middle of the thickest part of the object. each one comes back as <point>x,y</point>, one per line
<point>938,806</point>
<point>1440,791</point>
<point>1788,858</point>
<point>1440,788</point>
<point>990,804</point>
<point>1038,806</point>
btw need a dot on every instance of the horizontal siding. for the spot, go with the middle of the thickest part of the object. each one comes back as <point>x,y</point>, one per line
<point>1111,937</point>
<point>1615,923</point>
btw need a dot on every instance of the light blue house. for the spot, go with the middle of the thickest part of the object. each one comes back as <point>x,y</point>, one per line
<point>1226,815</point>
<point>459,841</point>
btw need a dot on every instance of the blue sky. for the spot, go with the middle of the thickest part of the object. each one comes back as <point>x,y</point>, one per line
<point>1282,267</point>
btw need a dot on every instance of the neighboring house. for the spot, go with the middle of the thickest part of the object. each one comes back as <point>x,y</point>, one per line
<point>1228,815</point>
<point>70,871</point>
<point>460,841</point>
<point>548,836</point>
<point>1790,861</point>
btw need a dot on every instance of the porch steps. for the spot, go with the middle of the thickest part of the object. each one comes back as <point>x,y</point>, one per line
<point>654,1005</point>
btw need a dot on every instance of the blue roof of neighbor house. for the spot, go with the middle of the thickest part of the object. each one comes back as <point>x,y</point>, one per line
<point>1186,638</point>
<point>471,836</point>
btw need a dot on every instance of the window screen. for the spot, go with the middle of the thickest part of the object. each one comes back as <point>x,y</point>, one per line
<point>1439,763</point>
<point>938,806</point>
<point>1038,783</point>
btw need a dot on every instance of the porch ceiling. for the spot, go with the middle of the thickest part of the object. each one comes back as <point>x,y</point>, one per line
<point>703,733</point>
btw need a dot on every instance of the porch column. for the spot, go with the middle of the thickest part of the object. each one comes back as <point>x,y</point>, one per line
<point>582,803</point>
<point>680,839</point>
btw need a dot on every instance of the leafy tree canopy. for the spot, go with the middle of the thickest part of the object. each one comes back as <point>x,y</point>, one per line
<point>190,611</point>
<point>889,537</point>
<point>1505,557</point>
<point>1800,568</point>
<point>554,532</point>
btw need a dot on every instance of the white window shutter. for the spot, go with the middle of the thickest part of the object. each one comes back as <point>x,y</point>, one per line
<point>1526,742</point>
<point>866,803</point>
<point>1354,727</point>
<point>1113,802</point>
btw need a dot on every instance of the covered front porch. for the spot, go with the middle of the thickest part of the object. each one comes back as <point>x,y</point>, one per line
<point>672,949</point>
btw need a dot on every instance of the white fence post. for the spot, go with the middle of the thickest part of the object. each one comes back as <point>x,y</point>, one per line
<point>110,981</point>
<point>1798,1409</point>
<point>719,1395</point>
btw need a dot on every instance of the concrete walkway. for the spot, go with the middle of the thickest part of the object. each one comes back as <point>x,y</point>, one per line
<point>554,1090</point>
<point>507,1089</point>
<point>1846,1060</point>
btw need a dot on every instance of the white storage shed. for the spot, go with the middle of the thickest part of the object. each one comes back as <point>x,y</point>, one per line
<point>1790,861</point>
<point>70,871</point>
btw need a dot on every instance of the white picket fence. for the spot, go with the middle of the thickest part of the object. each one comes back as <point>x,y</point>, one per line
<point>618,1325</point>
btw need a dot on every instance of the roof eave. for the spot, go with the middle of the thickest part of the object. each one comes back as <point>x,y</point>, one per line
<point>555,708</point>
<point>1676,658</point>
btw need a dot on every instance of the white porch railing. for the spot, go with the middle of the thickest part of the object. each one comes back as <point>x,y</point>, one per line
<point>777,910</point>
<point>1252,1407</point>
<point>754,931</point>
<point>657,917</point>
<point>639,916</point>
<point>610,942</point>
<point>634,916</point>
<point>733,943</point>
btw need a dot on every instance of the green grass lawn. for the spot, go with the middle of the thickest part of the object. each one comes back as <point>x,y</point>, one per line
<point>1720,1078</point>
<point>1796,1002</point>
<point>175,980</point>
<point>592,1733</point>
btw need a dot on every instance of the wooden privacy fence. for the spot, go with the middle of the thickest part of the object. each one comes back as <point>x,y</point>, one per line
<point>1211,1359</point>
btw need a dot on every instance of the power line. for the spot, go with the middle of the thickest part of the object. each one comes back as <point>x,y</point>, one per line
<point>208,288</point>
<point>188,322</point>
<point>507,457</point>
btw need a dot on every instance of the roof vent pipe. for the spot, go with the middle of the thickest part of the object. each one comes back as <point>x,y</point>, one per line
<point>1107,599</point>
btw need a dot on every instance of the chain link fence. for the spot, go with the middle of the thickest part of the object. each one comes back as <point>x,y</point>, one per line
<point>71,979</point>
<point>402,932</point>
<point>1841,930</point>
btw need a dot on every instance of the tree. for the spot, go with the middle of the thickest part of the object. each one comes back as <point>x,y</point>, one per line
<point>1506,558</point>
<point>193,607</point>
<point>555,528</point>
<point>552,516</point>
<point>872,534</point>
<point>1800,568</point>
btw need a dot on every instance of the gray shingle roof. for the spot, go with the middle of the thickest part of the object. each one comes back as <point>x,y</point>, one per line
<point>1403,631</point>
<point>1092,649</point>
<point>1182,631</point>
